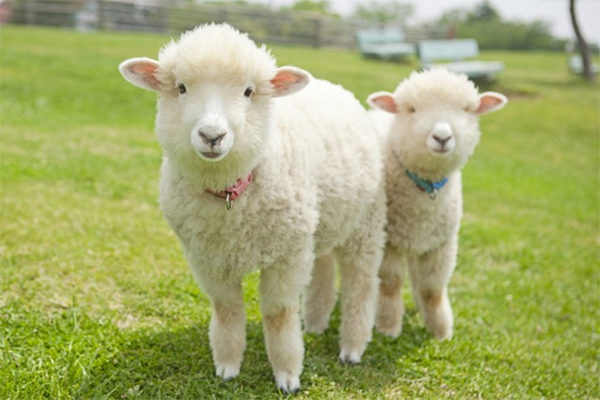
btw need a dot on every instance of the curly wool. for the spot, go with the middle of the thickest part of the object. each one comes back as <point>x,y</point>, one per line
<point>216,52</point>
<point>423,231</point>
<point>317,192</point>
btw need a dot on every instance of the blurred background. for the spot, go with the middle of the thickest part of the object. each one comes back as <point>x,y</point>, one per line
<point>510,25</point>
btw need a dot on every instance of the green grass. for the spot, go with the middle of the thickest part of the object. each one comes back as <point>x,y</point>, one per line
<point>96,300</point>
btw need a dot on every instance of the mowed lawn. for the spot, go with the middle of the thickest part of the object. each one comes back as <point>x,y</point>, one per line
<point>96,300</point>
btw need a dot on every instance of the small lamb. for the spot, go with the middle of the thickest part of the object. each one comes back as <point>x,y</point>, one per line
<point>258,177</point>
<point>429,134</point>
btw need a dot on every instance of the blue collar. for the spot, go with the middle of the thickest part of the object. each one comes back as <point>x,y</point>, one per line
<point>427,186</point>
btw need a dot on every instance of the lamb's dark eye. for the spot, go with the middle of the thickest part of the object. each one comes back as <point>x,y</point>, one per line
<point>411,109</point>
<point>248,92</point>
<point>181,88</point>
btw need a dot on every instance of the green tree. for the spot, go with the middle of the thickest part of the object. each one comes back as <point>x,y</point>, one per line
<point>385,12</point>
<point>484,12</point>
<point>320,6</point>
<point>317,6</point>
<point>486,25</point>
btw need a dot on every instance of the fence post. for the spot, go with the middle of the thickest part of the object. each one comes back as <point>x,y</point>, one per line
<point>317,37</point>
<point>224,14</point>
<point>29,13</point>
<point>101,17</point>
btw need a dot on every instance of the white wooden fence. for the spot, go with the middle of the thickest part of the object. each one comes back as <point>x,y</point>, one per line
<point>263,24</point>
<point>174,16</point>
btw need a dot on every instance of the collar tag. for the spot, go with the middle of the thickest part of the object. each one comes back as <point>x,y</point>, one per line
<point>431,188</point>
<point>228,201</point>
<point>234,191</point>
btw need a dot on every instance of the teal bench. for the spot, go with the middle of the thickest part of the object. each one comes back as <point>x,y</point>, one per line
<point>576,65</point>
<point>387,44</point>
<point>458,55</point>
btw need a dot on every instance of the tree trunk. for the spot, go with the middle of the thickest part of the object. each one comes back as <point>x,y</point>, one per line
<point>583,47</point>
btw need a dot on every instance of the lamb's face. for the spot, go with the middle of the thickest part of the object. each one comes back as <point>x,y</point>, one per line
<point>435,136</point>
<point>217,118</point>
<point>212,118</point>
<point>435,129</point>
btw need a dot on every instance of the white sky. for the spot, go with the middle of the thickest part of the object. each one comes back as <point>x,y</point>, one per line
<point>554,11</point>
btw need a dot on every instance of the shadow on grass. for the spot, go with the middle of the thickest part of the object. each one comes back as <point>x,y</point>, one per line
<point>509,90</point>
<point>571,82</point>
<point>178,364</point>
<point>529,88</point>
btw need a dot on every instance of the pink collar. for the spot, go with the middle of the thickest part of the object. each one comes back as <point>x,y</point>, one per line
<point>234,191</point>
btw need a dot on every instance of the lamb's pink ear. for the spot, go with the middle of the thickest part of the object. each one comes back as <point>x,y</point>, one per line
<point>289,80</point>
<point>384,101</point>
<point>490,101</point>
<point>141,72</point>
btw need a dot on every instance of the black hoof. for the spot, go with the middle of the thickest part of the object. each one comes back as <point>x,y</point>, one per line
<point>347,362</point>
<point>285,391</point>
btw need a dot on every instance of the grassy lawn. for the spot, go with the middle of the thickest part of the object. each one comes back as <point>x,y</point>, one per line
<point>96,300</point>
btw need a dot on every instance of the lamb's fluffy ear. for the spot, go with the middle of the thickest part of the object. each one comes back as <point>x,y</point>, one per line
<point>384,101</point>
<point>490,101</point>
<point>289,80</point>
<point>141,72</point>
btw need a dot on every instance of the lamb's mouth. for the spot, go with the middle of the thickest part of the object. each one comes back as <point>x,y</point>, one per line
<point>441,151</point>
<point>210,154</point>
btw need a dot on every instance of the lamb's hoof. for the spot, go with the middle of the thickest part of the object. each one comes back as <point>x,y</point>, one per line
<point>390,314</point>
<point>227,372</point>
<point>287,383</point>
<point>391,331</point>
<point>441,327</point>
<point>443,334</point>
<point>316,329</point>
<point>350,357</point>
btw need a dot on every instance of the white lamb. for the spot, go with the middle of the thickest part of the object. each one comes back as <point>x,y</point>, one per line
<point>254,180</point>
<point>430,132</point>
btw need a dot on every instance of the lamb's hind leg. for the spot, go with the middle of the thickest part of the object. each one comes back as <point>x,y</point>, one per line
<point>319,297</point>
<point>359,263</point>
<point>430,276</point>
<point>390,307</point>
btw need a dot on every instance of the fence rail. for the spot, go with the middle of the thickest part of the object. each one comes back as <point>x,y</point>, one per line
<point>174,16</point>
<point>262,24</point>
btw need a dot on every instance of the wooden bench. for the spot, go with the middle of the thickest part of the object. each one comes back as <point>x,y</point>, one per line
<point>459,55</point>
<point>386,44</point>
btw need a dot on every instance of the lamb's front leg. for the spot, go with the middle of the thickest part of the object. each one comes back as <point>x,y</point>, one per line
<point>227,331</point>
<point>280,290</point>
<point>430,276</point>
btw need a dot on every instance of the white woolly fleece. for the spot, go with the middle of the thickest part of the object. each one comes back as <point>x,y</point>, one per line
<point>317,190</point>
<point>431,128</point>
<point>216,51</point>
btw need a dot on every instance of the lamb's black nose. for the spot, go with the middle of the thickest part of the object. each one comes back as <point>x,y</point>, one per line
<point>210,139</point>
<point>441,140</point>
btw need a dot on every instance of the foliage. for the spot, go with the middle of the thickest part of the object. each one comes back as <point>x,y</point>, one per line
<point>317,6</point>
<point>242,3</point>
<point>483,11</point>
<point>485,24</point>
<point>385,12</point>
<point>96,300</point>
